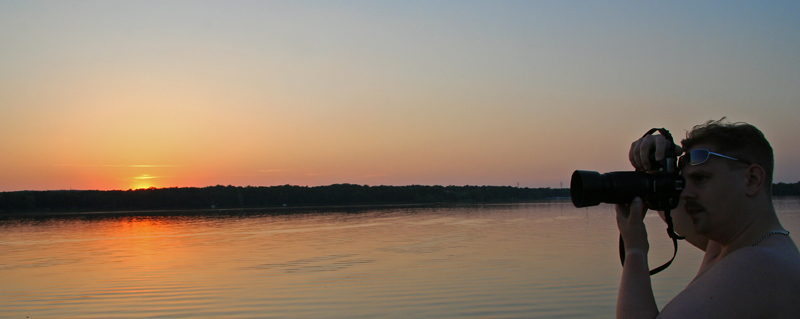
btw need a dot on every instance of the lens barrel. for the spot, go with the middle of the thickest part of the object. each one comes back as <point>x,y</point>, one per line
<point>589,188</point>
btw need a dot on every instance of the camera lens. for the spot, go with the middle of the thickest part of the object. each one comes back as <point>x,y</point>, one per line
<point>589,188</point>
<point>580,182</point>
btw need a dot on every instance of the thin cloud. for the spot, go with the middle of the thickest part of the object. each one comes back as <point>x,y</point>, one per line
<point>145,176</point>
<point>158,165</point>
<point>120,165</point>
<point>141,165</point>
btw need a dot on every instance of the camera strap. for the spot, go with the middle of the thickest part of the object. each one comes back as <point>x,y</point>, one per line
<point>672,235</point>
<point>667,217</point>
<point>663,132</point>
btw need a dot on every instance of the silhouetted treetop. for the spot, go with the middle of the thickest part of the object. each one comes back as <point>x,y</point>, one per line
<point>243,197</point>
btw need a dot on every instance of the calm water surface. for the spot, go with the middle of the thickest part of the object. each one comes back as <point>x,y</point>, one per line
<point>533,260</point>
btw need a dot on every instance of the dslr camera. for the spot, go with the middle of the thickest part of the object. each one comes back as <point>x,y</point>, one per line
<point>660,188</point>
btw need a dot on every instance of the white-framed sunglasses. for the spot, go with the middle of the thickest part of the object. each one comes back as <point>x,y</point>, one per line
<point>700,156</point>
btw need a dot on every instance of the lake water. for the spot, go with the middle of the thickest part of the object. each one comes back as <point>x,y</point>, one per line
<point>531,260</point>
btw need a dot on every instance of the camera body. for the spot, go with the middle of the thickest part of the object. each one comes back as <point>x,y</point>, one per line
<point>659,188</point>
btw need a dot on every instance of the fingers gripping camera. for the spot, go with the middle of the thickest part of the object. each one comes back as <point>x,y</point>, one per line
<point>660,188</point>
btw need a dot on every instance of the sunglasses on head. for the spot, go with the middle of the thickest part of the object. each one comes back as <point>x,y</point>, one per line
<point>700,156</point>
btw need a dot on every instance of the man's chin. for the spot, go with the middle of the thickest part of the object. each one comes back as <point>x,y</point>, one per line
<point>699,223</point>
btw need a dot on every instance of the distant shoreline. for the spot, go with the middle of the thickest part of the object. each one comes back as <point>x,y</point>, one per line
<point>274,210</point>
<point>287,198</point>
<point>221,199</point>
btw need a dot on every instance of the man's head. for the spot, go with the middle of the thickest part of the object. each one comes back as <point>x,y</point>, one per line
<point>730,179</point>
<point>739,140</point>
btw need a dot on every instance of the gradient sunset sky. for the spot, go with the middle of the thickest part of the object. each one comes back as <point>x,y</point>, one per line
<point>132,94</point>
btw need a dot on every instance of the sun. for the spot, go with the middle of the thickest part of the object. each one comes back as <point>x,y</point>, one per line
<point>142,186</point>
<point>143,181</point>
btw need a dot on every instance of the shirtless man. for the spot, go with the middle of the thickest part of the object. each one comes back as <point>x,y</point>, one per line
<point>751,267</point>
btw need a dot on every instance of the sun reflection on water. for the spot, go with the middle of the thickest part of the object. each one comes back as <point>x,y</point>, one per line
<point>520,260</point>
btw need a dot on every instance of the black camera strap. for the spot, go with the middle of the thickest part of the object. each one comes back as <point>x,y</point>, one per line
<point>667,217</point>
<point>671,234</point>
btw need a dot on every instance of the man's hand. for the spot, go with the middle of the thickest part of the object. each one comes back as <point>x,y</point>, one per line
<point>639,155</point>
<point>635,298</point>
<point>630,220</point>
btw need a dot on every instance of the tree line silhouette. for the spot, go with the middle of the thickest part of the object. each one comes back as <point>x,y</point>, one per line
<point>784,189</point>
<point>222,197</point>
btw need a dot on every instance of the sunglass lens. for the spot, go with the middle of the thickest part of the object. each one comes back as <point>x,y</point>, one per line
<point>698,157</point>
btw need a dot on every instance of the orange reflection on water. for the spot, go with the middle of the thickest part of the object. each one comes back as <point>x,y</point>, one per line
<point>517,260</point>
<point>137,244</point>
<point>144,226</point>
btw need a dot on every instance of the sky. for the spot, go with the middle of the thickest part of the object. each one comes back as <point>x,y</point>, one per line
<point>136,94</point>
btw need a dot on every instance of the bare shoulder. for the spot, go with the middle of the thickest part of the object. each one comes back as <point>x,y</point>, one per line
<point>752,282</point>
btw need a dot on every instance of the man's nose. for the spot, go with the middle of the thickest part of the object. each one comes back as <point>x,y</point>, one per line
<point>687,192</point>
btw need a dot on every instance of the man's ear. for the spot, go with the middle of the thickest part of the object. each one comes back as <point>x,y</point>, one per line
<point>756,176</point>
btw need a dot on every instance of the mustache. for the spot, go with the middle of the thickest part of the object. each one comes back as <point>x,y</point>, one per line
<point>692,205</point>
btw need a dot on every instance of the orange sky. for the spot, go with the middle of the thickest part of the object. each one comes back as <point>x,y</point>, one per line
<point>97,95</point>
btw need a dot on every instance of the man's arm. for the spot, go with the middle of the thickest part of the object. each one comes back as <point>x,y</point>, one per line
<point>635,299</point>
